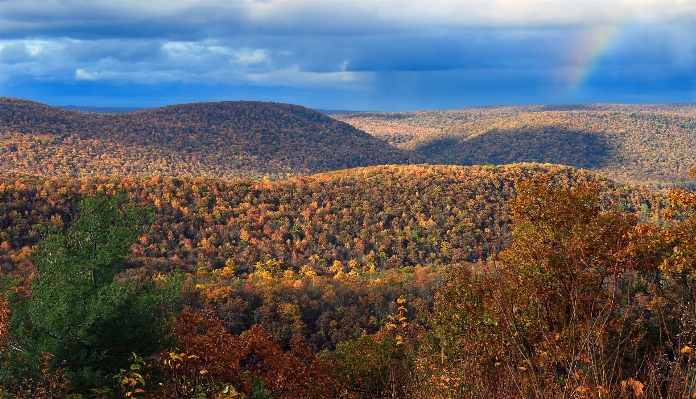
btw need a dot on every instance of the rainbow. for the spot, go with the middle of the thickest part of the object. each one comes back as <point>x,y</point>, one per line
<point>588,53</point>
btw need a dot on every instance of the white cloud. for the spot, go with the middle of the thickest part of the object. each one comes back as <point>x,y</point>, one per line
<point>34,48</point>
<point>181,47</point>
<point>249,57</point>
<point>293,77</point>
<point>81,74</point>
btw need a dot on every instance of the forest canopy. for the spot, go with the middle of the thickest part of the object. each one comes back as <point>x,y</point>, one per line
<point>216,140</point>
<point>649,145</point>
<point>592,295</point>
<point>137,260</point>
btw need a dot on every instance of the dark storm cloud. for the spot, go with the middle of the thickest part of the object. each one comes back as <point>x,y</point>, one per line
<point>183,20</point>
<point>14,53</point>
<point>121,50</point>
<point>456,49</point>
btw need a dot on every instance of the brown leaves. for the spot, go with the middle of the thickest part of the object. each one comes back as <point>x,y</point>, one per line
<point>647,147</point>
<point>381,217</point>
<point>49,381</point>
<point>634,385</point>
<point>224,140</point>
<point>549,316</point>
<point>203,344</point>
<point>209,359</point>
<point>4,322</point>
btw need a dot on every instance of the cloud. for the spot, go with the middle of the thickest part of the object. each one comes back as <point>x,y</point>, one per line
<point>293,77</point>
<point>14,53</point>
<point>81,74</point>
<point>189,20</point>
<point>250,57</point>
<point>122,50</point>
<point>419,54</point>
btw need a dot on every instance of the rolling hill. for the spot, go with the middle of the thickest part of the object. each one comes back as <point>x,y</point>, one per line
<point>381,216</point>
<point>651,145</point>
<point>343,245</point>
<point>217,140</point>
<point>291,279</point>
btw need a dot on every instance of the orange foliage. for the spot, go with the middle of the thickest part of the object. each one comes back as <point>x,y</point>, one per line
<point>645,144</point>
<point>4,322</point>
<point>209,359</point>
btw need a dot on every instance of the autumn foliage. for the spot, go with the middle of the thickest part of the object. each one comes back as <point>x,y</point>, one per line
<point>215,140</point>
<point>390,282</point>
<point>650,145</point>
<point>587,302</point>
<point>378,217</point>
<point>209,360</point>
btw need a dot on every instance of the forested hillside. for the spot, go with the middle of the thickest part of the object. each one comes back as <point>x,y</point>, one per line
<point>219,140</point>
<point>640,144</point>
<point>377,217</point>
<point>139,259</point>
<point>377,282</point>
<point>362,222</point>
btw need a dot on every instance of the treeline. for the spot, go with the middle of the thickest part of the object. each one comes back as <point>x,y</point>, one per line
<point>218,140</point>
<point>647,145</point>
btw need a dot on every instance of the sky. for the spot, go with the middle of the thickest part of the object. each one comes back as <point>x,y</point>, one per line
<point>380,55</point>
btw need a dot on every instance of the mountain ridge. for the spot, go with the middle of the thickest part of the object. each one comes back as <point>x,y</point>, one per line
<point>638,144</point>
<point>650,145</point>
<point>221,140</point>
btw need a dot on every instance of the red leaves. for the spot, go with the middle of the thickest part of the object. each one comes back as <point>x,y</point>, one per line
<point>209,359</point>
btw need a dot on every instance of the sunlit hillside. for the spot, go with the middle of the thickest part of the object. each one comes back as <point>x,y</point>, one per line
<point>648,145</point>
<point>382,216</point>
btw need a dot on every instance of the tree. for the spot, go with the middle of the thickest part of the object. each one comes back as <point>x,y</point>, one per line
<point>83,309</point>
<point>377,366</point>
<point>555,314</point>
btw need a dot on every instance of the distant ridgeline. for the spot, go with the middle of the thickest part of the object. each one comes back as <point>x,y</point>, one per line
<point>218,140</point>
<point>379,217</point>
<point>651,145</point>
<point>101,110</point>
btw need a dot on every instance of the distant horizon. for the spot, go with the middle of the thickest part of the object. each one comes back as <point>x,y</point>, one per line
<point>103,109</point>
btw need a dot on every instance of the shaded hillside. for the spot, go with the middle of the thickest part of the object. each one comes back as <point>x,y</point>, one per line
<point>399,128</point>
<point>645,144</point>
<point>377,217</point>
<point>552,144</point>
<point>221,140</point>
<point>101,110</point>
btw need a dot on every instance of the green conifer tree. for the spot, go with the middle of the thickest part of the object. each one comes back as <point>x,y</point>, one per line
<point>82,309</point>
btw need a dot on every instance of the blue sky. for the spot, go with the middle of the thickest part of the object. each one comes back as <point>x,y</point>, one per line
<point>354,55</point>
